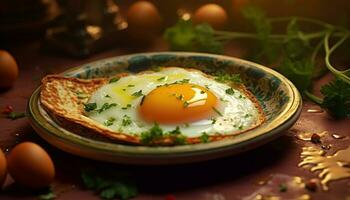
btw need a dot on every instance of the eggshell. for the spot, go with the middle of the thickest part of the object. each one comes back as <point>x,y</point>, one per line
<point>212,14</point>
<point>144,21</point>
<point>3,168</point>
<point>31,166</point>
<point>8,69</point>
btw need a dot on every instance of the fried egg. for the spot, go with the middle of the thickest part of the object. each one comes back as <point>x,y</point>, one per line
<point>173,98</point>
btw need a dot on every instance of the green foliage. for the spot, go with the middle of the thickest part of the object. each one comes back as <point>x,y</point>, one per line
<point>111,186</point>
<point>336,98</point>
<point>184,36</point>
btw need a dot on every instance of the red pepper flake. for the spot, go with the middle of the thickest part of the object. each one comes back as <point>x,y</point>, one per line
<point>311,185</point>
<point>170,197</point>
<point>315,138</point>
<point>7,110</point>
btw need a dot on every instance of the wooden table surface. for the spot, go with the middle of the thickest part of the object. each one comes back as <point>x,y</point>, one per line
<point>244,176</point>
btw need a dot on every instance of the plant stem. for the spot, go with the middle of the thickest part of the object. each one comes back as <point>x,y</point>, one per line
<point>313,97</point>
<point>329,51</point>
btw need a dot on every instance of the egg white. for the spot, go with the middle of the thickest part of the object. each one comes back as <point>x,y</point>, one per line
<point>235,112</point>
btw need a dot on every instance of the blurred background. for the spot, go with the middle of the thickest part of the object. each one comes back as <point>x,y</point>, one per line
<point>81,28</point>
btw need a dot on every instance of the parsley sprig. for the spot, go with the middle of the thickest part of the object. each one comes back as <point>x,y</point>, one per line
<point>111,186</point>
<point>295,51</point>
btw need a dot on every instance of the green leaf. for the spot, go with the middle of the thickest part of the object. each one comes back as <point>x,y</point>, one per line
<point>149,136</point>
<point>126,120</point>
<point>110,186</point>
<point>180,37</point>
<point>299,72</point>
<point>184,36</point>
<point>176,131</point>
<point>225,77</point>
<point>204,137</point>
<point>106,106</point>
<point>230,91</point>
<point>137,94</point>
<point>88,107</point>
<point>15,115</point>
<point>47,194</point>
<point>336,98</point>
<point>114,79</point>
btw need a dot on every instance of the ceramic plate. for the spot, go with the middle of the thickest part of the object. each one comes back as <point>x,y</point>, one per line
<point>277,95</point>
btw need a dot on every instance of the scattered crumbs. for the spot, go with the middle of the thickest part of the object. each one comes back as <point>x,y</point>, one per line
<point>315,138</point>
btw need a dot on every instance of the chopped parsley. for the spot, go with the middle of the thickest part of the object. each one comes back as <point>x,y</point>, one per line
<point>151,135</point>
<point>224,78</point>
<point>240,127</point>
<point>230,91</point>
<point>161,78</point>
<point>107,96</point>
<point>186,104</point>
<point>180,139</point>
<point>109,121</point>
<point>137,94</point>
<point>217,111</point>
<point>106,106</point>
<point>110,185</point>
<point>126,107</point>
<point>204,137</point>
<point>202,91</point>
<point>213,120</point>
<point>88,107</point>
<point>247,115</point>
<point>223,100</point>
<point>176,131</point>
<point>131,85</point>
<point>126,120</point>
<point>114,79</point>
<point>184,81</point>
<point>143,98</point>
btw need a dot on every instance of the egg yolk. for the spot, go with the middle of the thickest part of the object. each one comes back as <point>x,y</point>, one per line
<point>178,103</point>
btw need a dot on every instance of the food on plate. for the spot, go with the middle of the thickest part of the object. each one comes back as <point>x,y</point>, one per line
<point>30,166</point>
<point>164,107</point>
<point>212,14</point>
<point>3,168</point>
<point>8,69</point>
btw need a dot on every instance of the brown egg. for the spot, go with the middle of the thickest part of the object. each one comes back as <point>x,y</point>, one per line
<point>30,166</point>
<point>3,168</point>
<point>212,14</point>
<point>144,21</point>
<point>8,69</point>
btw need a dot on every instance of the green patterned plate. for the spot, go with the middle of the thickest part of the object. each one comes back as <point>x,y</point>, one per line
<point>280,99</point>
